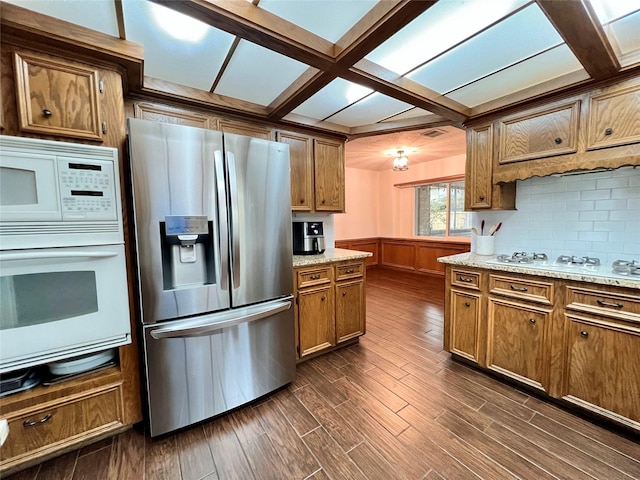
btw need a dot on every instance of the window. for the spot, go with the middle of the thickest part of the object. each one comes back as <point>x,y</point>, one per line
<point>440,210</point>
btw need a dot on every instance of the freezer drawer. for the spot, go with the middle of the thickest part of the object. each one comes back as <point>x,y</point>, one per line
<point>207,365</point>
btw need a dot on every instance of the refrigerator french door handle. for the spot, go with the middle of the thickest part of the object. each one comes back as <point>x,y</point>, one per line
<point>235,221</point>
<point>223,233</point>
<point>53,255</point>
<point>251,315</point>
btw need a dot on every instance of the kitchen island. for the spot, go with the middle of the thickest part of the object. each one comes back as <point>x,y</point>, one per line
<point>569,335</point>
<point>329,290</point>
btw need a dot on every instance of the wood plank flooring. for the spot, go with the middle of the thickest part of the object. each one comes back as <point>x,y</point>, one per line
<point>394,406</point>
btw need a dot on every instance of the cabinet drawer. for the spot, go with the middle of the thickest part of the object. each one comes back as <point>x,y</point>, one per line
<point>531,290</point>
<point>619,306</point>
<point>349,270</point>
<point>311,277</point>
<point>465,279</point>
<point>539,133</point>
<point>57,424</point>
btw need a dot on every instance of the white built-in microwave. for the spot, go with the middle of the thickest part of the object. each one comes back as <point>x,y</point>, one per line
<point>49,188</point>
<point>63,279</point>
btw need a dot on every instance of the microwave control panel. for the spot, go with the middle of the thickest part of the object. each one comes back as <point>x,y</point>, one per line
<point>87,189</point>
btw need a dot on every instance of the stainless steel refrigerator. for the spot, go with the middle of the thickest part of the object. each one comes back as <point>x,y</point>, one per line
<point>213,238</point>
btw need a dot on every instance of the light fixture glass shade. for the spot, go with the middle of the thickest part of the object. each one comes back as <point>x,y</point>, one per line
<point>401,162</point>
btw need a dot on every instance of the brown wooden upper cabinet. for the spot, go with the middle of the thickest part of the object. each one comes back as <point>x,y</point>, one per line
<point>480,191</point>
<point>174,116</point>
<point>57,97</point>
<point>317,172</point>
<point>539,133</point>
<point>614,117</point>
<point>242,128</point>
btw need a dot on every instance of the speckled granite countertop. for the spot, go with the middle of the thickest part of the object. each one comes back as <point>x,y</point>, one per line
<point>480,261</point>
<point>330,255</point>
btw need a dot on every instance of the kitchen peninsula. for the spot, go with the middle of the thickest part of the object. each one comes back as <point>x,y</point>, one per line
<point>570,335</point>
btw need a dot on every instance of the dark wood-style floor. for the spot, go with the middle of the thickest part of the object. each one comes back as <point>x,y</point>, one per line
<point>394,406</point>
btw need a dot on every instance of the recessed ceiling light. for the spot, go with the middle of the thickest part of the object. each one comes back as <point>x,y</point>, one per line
<point>178,25</point>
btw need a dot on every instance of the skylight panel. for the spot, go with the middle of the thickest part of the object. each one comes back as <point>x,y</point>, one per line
<point>334,97</point>
<point>550,65</point>
<point>518,37</point>
<point>329,19</point>
<point>441,27</point>
<point>369,110</point>
<point>258,75</point>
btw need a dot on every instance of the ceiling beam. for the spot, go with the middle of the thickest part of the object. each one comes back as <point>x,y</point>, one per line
<point>376,27</point>
<point>578,25</point>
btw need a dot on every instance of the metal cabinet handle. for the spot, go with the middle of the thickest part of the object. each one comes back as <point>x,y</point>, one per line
<point>465,279</point>
<point>608,131</point>
<point>532,321</point>
<point>323,202</point>
<point>584,334</point>
<point>612,305</point>
<point>558,141</point>
<point>46,113</point>
<point>323,298</point>
<point>350,271</point>
<point>481,197</point>
<point>302,200</point>
<point>519,289</point>
<point>467,304</point>
<point>33,423</point>
<point>315,277</point>
<point>344,294</point>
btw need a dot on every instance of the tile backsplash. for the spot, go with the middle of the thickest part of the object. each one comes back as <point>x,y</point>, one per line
<point>595,214</point>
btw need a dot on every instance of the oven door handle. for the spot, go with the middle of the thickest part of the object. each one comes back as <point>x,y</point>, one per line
<point>209,324</point>
<point>4,257</point>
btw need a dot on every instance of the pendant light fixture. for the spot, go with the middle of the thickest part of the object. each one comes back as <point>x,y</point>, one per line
<point>401,162</point>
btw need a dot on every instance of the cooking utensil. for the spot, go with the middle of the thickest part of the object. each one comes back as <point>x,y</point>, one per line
<point>474,230</point>
<point>482,227</point>
<point>495,229</point>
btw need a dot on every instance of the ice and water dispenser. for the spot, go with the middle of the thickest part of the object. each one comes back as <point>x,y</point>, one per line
<point>187,251</point>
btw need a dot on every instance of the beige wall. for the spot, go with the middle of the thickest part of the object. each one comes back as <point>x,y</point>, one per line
<point>375,208</point>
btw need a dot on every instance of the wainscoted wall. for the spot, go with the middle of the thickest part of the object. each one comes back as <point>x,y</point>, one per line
<point>594,214</point>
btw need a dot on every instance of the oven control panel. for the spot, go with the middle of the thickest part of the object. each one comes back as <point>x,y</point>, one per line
<point>87,189</point>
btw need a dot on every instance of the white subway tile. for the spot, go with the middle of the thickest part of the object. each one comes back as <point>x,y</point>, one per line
<point>578,247</point>
<point>593,236</point>
<point>633,204</point>
<point>595,194</point>
<point>634,179</point>
<point>608,247</point>
<point>594,215</point>
<point>613,182</point>
<point>567,216</point>
<point>623,215</point>
<point>609,226</point>
<point>578,226</point>
<point>564,235</point>
<point>579,186</point>
<point>566,196</point>
<point>581,205</point>
<point>625,237</point>
<point>554,187</point>
<point>542,197</point>
<point>632,249</point>
<point>632,227</point>
<point>610,204</point>
<point>631,192</point>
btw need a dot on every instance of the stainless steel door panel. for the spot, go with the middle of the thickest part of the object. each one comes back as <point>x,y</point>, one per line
<point>175,172</point>
<point>193,378</point>
<point>260,199</point>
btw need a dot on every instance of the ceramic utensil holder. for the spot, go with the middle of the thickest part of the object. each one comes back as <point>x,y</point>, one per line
<point>485,244</point>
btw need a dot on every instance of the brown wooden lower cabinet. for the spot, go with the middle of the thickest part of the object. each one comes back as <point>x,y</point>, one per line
<point>574,341</point>
<point>49,420</point>
<point>330,305</point>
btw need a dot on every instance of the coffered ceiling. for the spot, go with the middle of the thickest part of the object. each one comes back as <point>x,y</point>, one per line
<point>365,67</point>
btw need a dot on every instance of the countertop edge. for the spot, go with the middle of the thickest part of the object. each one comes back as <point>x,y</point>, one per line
<point>480,261</point>
<point>330,255</point>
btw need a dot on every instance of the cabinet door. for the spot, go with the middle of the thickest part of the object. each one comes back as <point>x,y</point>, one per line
<point>316,325</point>
<point>329,175</point>
<point>350,310</point>
<point>164,114</point>
<point>57,97</point>
<point>601,366</point>
<point>465,325</point>
<point>517,342</point>
<point>241,128</point>
<point>478,170</point>
<point>539,133</point>
<point>301,158</point>
<point>613,117</point>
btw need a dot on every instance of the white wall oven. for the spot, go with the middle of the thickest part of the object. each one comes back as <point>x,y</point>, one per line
<point>63,284</point>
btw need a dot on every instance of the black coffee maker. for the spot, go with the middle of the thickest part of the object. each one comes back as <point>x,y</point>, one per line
<point>308,238</point>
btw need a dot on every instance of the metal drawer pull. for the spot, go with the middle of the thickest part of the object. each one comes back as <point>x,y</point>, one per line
<point>584,334</point>
<point>608,131</point>
<point>532,321</point>
<point>350,270</point>
<point>467,304</point>
<point>519,289</point>
<point>612,305</point>
<point>31,423</point>
<point>344,294</point>
<point>314,277</point>
<point>558,141</point>
<point>465,279</point>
